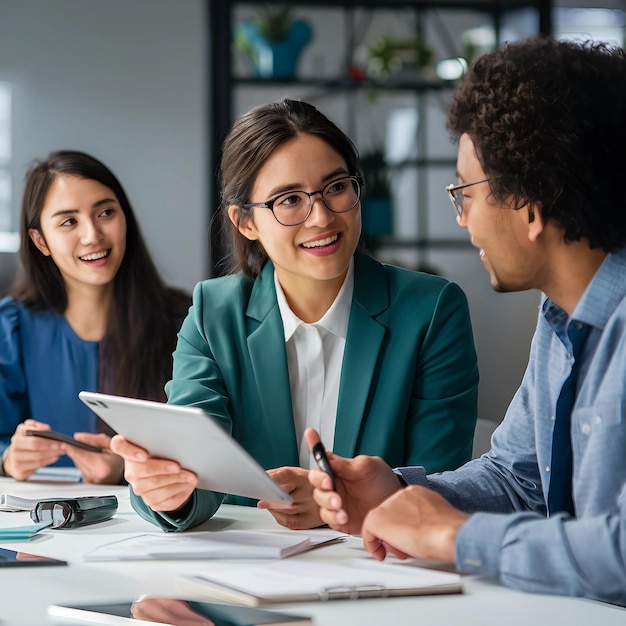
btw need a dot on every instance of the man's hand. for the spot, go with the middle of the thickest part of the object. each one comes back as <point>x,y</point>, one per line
<point>303,513</point>
<point>163,484</point>
<point>362,483</point>
<point>415,522</point>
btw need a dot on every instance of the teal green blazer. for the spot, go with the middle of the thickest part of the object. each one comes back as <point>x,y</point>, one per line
<point>409,379</point>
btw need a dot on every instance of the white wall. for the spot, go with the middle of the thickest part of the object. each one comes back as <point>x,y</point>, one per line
<point>125,80</point>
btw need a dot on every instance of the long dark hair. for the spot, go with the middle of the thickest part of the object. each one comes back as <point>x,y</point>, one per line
<point>135,356</point>
<point>252,139</point>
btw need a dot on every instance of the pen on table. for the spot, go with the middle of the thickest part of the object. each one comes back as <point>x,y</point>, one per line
<point>319,454</point>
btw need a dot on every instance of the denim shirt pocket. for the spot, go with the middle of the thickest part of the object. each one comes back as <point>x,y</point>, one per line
<point>599,432</point>
<point>598,444</point>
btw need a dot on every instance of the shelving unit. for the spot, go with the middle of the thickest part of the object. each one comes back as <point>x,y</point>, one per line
<point>232,92</point>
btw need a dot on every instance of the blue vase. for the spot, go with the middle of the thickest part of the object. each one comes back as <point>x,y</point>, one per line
<point>276,59</point>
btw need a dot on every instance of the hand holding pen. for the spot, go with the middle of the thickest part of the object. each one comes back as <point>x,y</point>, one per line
<point>319,454</point>
<point>347,489</point>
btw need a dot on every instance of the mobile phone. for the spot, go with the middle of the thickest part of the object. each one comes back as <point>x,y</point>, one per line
<point>319,454</point>
<point>50,434</point>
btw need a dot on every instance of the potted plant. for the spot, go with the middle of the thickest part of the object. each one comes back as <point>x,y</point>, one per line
<point>390,55</point>
<point>272,41</point>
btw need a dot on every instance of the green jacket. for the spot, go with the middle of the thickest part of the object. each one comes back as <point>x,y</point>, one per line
<point>409,380</point>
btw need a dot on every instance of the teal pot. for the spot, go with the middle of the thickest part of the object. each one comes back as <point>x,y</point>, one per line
<point>275,59</point>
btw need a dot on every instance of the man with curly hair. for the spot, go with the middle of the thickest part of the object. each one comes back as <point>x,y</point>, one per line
<point>541,132</point>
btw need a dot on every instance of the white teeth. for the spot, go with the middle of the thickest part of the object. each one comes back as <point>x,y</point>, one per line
<point>321,243</point>
<point>95,256</point>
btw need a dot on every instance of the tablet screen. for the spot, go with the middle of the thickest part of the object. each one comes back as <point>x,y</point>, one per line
<point>174,612</point>
<point>13,558</point>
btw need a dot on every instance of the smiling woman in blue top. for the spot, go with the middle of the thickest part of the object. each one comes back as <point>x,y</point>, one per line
<point>89,311</point>
<point>310,331</point>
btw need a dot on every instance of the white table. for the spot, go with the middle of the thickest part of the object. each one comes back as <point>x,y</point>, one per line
<point>25,593</point>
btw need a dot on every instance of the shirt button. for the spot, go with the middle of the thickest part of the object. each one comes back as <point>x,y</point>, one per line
<point>552,417</point>
<point>597,419</point>
<point>586,428</point>
<point>547,468</point>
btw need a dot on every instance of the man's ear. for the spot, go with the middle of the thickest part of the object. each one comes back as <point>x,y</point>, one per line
<point>536,223</point>
<point>40,243</point>
<point>242,223</point>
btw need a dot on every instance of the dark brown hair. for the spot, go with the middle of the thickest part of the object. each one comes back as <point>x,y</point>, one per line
<point>135,356</point>
<point>546,118</point>
<point>252,139</point>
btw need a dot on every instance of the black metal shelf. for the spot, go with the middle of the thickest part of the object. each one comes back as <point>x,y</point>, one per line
<point>416,83</point>
<point>423,243</point>
<point>223,81</point>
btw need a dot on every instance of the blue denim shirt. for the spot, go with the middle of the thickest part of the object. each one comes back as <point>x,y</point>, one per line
<point>581,556</point>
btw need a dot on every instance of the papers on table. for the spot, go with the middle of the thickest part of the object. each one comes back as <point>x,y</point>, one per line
<point>9,502</point>
<point>226,544</point>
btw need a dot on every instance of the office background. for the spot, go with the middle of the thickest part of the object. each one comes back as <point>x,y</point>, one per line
<point>128,81</point>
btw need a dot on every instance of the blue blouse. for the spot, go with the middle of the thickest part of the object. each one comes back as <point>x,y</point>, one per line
<point>43,366</point>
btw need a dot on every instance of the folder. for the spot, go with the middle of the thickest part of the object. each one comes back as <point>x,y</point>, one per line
<point>307,581</point>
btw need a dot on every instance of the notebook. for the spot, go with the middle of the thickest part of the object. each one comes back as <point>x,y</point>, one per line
<point>307,581</point>
<point>192,437</point>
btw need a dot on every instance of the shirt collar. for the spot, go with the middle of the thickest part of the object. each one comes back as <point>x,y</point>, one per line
<point>601,297</point>
<point>335,320</point>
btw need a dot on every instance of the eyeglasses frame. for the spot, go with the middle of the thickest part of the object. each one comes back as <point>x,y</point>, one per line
<point>269,204</point>
<point>452,189</point>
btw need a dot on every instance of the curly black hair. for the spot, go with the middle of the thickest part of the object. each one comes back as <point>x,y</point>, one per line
<point>548,119</point>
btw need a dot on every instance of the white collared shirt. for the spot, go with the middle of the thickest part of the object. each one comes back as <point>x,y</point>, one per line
<point>314,359</point>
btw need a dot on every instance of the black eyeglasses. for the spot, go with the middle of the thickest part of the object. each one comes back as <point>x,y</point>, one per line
<point>74,512</point>
<point>456,194</point>
<point>294,207</point>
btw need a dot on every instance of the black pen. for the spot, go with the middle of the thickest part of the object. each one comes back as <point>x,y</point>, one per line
<point>319,454</point>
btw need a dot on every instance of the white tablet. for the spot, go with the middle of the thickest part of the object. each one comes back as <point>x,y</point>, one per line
<point>190,436</point>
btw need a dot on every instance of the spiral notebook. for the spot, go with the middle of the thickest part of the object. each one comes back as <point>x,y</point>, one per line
<point>306,581</point>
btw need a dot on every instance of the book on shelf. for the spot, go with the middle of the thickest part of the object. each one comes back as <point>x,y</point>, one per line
<point>307,581</point>
<point>170,612</point>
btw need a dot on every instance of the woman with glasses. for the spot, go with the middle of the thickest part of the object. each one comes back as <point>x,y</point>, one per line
<point>310,331</point>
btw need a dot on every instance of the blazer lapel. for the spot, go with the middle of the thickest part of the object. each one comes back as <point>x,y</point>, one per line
<point>363,343</point>
<point>266,344</point>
